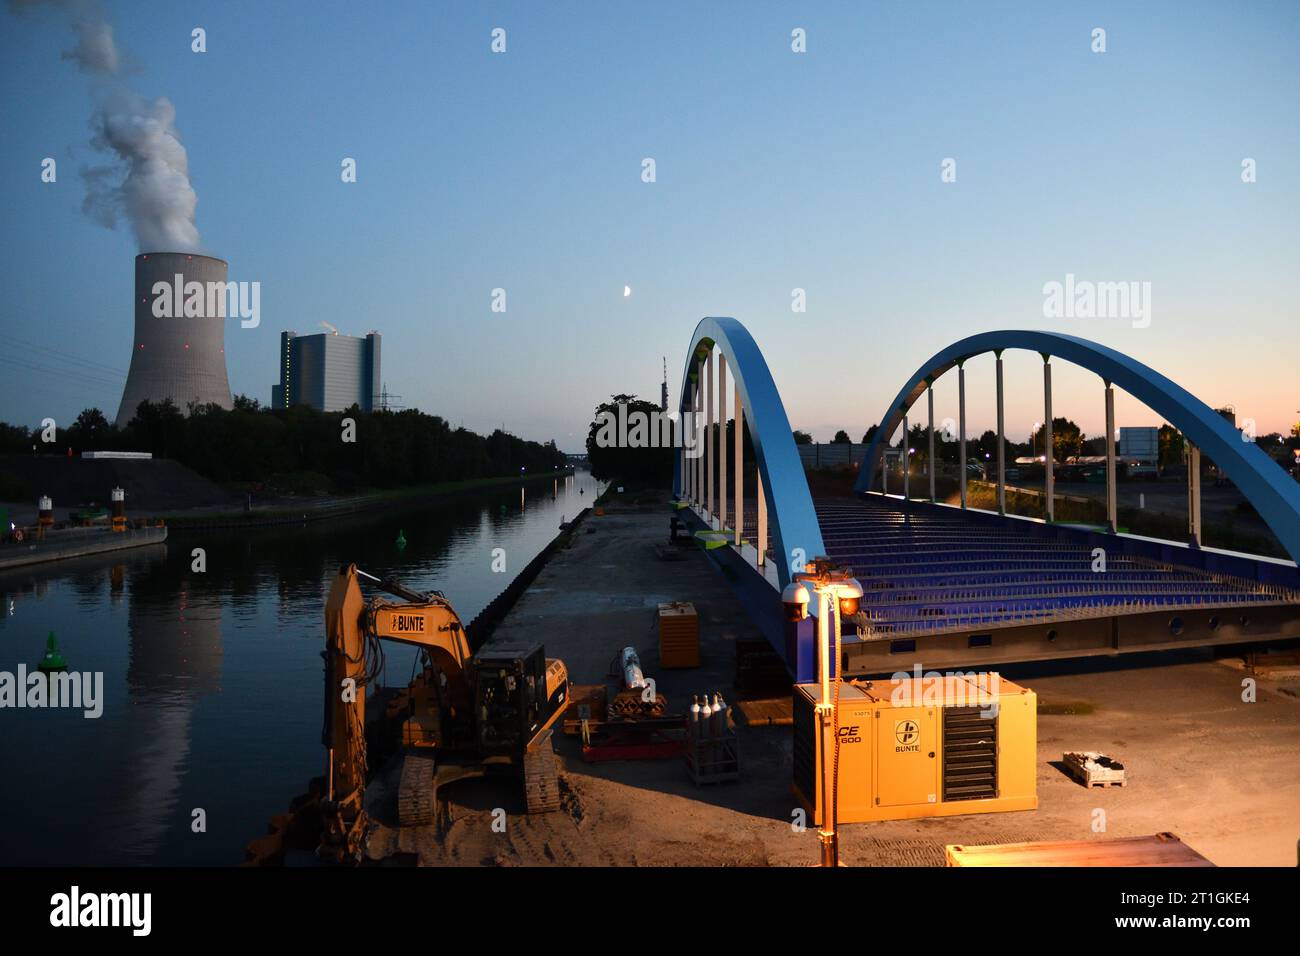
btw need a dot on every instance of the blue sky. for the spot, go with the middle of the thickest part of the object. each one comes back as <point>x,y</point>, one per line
<point>775,170</point>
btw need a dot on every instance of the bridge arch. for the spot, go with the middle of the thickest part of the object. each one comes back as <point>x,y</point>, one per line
<point>1274,495</point>
<point>792,517</point>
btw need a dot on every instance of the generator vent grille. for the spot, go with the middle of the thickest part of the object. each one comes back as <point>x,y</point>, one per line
<point>970,753</point>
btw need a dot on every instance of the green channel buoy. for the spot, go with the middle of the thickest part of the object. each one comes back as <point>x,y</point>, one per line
<point>401,540</point>
<point>52,661</point>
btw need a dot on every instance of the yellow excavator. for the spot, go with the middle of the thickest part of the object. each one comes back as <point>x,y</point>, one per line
<point>467,713</point>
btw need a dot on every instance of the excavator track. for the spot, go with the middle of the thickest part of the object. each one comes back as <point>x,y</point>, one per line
<point>541,778</point>
<point>416,791</point>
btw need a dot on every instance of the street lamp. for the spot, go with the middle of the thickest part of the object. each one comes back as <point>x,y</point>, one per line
<point>838,594</point>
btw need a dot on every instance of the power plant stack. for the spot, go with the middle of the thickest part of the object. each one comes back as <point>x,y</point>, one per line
<point>175,356</point>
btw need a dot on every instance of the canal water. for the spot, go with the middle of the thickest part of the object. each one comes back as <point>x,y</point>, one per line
<point>212,681</point>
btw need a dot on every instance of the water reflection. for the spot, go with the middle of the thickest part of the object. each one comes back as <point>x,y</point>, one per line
<point>212,679</point>
<point>175,658</point>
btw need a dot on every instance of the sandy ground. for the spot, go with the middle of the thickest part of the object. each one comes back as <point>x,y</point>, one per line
<point>1220,773</point>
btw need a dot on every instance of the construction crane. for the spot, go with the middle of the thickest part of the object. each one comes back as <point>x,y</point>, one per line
<point>465,714</point>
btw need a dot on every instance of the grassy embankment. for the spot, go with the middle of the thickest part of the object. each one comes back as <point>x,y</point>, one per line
<point>1152,524</point>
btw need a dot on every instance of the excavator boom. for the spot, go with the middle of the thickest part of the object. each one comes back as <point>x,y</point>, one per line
<point>426,621</point>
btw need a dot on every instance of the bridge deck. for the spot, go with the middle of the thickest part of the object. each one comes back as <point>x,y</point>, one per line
<point>934,571</point>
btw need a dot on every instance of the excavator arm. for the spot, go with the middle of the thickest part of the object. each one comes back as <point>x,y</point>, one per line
<point>353,629</point>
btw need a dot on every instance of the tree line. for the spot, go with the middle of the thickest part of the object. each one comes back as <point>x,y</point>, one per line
<point>298,449</point>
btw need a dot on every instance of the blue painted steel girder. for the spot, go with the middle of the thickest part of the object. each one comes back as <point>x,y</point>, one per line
<point>1266,486</point>
<point>792,518</point>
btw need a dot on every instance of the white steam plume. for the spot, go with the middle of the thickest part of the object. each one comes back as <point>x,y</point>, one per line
<point>155,195</point>
<point>95,51</point>
<point>148,181</point>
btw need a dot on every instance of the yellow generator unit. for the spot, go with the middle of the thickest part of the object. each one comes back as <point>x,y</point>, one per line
<point>919,747</point>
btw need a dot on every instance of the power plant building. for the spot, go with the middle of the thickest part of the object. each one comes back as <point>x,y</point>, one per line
<point>328,371</point>
<point>178,353</point>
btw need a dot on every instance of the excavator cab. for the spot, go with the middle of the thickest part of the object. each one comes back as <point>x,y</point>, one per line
<point>517,691</point>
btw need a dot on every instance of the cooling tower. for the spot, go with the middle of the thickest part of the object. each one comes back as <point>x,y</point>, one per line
<point>174,355</point>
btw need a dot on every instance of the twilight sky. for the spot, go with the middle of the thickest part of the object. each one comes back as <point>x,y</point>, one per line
<point>774,170</point>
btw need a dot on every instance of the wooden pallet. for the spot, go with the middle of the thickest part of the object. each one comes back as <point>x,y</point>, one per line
<point>1162,849</point>
<point>774,712</point>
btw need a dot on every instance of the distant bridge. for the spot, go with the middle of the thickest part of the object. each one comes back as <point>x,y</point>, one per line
<point>958,586</point>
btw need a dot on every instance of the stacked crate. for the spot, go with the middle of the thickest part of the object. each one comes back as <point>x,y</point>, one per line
<point>679,635</point>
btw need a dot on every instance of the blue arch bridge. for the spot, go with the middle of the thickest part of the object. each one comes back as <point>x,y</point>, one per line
<point>952,585</point>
